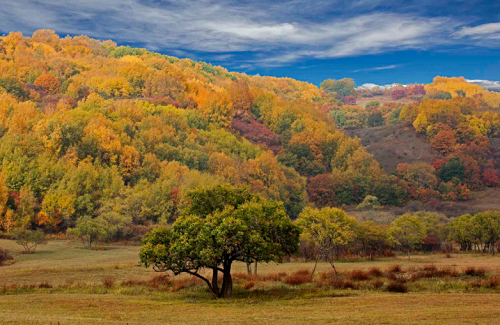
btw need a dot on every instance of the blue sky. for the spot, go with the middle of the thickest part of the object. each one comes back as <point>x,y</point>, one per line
<point>371,41</point>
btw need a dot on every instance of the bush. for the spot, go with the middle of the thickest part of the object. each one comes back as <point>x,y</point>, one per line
<point>358,275</point>
<point>472,271</point>
<point>108,282</point>
<point>248,285</point>
<point>375,272</point>
<point>5,256</point>
<point>396,268</point>
<point>298,277</point>
<point>397,287</point>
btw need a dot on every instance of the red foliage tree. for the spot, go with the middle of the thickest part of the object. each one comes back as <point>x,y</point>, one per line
<point>490,177</point>
<point>349,100</point>
<point>398,94</point>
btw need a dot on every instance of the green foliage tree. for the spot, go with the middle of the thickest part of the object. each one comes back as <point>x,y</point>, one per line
<point>339,88</point>
<point>90,230</point>
<point>371,237</point>
<point>13,86</point>
<point>327,229</point>
<point>29,239</point>
<point>408,231</point>
<point>370,202</point>
<point>222,225</point>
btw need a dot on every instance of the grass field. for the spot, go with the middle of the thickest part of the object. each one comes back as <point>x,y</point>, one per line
<point>74,293</point>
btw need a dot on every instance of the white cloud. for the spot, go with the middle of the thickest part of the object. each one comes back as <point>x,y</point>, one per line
<point>489,31</point>
<point>387,67</point>
<point>276,33</point>
<point>486,84</point>
<point>383,87</point>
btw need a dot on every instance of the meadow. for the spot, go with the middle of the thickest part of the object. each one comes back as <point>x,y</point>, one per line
<point>67,284</point>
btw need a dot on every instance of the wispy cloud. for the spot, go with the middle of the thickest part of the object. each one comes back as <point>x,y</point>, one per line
<point>274,34</point>
<point>387,67</point>
<point>488,31</point>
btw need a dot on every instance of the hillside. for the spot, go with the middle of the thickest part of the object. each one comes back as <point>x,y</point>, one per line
<point>116,134</point>
<point>394,144</point>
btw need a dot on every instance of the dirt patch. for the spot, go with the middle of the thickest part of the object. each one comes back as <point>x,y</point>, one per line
<point>394,144</point>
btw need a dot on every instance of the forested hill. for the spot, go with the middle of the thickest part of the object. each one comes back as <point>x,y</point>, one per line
<point>89,128</point>
<point>92,129</point>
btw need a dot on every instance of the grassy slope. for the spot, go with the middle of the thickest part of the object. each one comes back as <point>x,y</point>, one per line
<point>62,262</point>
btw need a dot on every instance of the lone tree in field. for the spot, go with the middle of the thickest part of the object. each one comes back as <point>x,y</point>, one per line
<point>408,231</point>
<point>29,239</point>
<point>327,229</point>
<point>221,225</point>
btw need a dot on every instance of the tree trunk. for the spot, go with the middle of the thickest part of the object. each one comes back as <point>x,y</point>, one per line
<point>334,268</point>
<point>255,268</point>
<point>227,282</point>
<point>215,283</point>
<point>314,268</point>
<point>249,268</point>
<point>408,254</point>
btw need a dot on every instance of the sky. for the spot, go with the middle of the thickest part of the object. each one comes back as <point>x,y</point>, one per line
<point>371,41</point>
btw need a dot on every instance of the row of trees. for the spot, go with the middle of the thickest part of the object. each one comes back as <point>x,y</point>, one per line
<point>223,224</point>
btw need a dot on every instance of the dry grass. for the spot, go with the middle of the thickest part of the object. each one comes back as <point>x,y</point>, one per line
<point>111,288</point>
<point>380,308</point>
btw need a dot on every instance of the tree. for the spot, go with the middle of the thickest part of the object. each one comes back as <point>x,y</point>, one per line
<point>349,100</point>
<point>370,202</point>
<point>89,230</point>
<point>241,96</point>
<point>408,231</point>
<point>491,178</point>
<point>327,229</point>
<point>221,225</point>
<point>371,237</point>
<point>13,86</point>
<point>453,169</point>
<point>48,83</point>
<point>340,88</point>
<point>29,239</point>
<point>459,231</point>
<point>398,94</point>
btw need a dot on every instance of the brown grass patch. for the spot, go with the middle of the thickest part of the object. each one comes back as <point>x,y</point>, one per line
<point>298,277</point>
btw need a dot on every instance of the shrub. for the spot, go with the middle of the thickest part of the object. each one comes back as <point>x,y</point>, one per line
<point>108,282</point>
<point>5,256</point>
<point>248,285</point>
<point>377,283</point>
<point>491,282</point>
<point>358,275</point>
<point>472,271</point>
<point>342,284</point>
<point>298,277</point>
<point>397,287</point>
<point>396,268</point>
<point>375,272</point>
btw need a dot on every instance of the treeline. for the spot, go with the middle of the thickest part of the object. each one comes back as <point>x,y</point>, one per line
<point>329,234</point>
